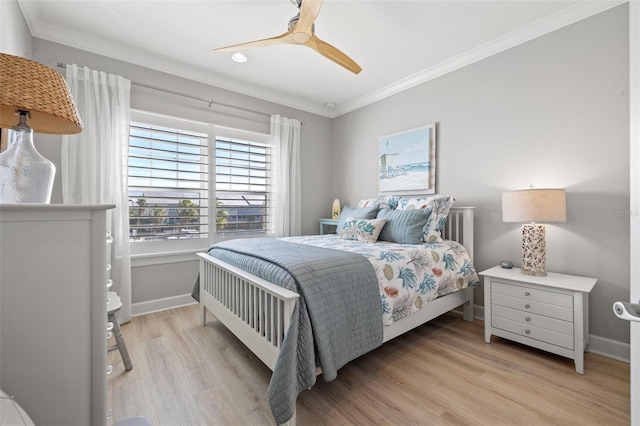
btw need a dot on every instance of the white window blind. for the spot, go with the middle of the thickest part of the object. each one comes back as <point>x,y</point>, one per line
<point>168,183</point>
<point>243,187</point>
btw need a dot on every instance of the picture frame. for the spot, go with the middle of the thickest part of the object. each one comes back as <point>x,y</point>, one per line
<point>407,162</point>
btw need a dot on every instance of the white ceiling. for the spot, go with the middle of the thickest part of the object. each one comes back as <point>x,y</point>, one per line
<point>399,44</point>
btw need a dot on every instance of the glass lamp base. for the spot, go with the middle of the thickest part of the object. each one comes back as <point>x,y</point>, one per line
<point>25,175</point>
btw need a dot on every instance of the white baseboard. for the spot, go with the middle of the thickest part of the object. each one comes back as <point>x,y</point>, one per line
<point>599,345</point>
<point>610,348</point>
<point>157,305</point>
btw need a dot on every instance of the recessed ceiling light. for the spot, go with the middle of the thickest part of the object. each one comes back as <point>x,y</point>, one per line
<point>330,105</point>
<point>239,57</point>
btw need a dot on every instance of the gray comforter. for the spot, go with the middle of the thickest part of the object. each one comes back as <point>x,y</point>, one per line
<point>338,317</point>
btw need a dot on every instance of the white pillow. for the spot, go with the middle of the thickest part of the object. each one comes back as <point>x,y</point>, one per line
<point>366,230</point>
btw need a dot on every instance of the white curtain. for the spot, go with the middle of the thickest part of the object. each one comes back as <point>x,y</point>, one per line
<point>94,163</point>
<point>286,176</point>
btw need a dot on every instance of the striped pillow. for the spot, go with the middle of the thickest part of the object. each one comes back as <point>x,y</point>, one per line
<point>403,226</point>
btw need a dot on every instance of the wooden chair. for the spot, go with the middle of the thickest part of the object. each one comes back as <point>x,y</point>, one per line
<point>113,305</point>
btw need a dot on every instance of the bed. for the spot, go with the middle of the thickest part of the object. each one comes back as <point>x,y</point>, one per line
<point>272,320</point>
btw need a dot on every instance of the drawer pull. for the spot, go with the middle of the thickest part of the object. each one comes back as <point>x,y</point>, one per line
<point>528,319</point>
<point>526,293</point>
<point>527,306</point>
<point>527,331</point>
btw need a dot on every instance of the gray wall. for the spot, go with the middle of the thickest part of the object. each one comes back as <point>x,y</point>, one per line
<point>553,113</point>
<point>15,38</point>
<point>315,133</point>
<point>151,282</point>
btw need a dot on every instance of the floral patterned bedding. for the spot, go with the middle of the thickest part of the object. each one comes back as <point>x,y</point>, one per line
<point>409,275</point>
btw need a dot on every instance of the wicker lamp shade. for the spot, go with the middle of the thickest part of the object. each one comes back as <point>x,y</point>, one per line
<point>30,86</point>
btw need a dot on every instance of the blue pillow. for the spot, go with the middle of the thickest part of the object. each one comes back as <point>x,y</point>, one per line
<point>403,226</point>
<point>354,213</point>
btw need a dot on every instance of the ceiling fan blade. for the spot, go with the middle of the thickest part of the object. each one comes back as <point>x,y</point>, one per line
<point>332,53</point>
<point>301,32</point>
<point>286,38</point>
<point>309,10</point>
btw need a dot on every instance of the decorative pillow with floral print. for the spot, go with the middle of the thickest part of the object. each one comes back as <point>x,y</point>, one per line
<point>412,203</point>
<point>366,230</point>
<point>383,202</point>
<point>369,212</point>
<point>440,206</point>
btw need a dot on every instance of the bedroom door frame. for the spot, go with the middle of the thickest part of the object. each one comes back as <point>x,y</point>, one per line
<point>634,119</point>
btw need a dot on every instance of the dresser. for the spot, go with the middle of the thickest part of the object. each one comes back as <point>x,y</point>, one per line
<point>549,313</point>
<point>53,318</point>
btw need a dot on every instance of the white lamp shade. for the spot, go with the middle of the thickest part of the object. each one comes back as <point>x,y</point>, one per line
<point>534,205</point>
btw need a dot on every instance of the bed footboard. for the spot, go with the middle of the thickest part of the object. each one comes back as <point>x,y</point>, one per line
<point>259,312</point>
<point>255,310</point>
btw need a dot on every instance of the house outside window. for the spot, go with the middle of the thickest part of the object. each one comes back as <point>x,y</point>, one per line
<point>193,183</point>
<point>243,200</point>
<point>168,186</point>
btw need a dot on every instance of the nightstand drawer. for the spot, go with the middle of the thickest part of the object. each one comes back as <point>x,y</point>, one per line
<point>553,311</point>
<point>533,294</point>
<point>547,323</point>
<point>535,333</point>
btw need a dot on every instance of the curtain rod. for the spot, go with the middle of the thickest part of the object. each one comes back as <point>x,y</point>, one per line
<point>198,98</point>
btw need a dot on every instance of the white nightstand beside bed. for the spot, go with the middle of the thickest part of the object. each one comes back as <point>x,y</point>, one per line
<point>549,313</point>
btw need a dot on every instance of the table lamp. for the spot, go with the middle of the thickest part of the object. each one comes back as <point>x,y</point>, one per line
<point>30,91</point>
<point>534,205</point>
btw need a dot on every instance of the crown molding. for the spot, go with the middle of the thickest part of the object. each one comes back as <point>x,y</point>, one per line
<point>568,16</point>
<point>153,61</point>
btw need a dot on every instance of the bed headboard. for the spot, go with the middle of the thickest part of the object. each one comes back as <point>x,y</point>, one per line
<point>459,227</point>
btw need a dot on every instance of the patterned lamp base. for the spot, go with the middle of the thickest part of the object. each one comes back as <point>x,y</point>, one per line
<point>533,250</point>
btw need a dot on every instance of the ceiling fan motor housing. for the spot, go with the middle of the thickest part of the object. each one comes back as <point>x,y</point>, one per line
<point>300,37</point>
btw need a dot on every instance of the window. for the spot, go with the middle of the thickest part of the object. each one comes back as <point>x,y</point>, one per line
<point>171,162</point>
<point>168,185</point>
<point>243,202</point>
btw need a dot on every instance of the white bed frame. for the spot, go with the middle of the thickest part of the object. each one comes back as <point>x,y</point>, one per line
<point>258,312</point>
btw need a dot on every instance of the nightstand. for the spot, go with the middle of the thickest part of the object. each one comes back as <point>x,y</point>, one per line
<point>549,313</point>
<point>331,223</point>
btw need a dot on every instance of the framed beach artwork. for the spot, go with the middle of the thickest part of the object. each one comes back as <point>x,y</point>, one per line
<point>407,162</point>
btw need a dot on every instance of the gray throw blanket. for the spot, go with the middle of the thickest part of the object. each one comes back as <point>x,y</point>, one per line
<point>339,314</point>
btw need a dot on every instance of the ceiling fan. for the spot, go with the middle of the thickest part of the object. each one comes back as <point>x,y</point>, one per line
<point>301,31</point>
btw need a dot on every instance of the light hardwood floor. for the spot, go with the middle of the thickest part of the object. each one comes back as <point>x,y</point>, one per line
<point>439,374</point>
